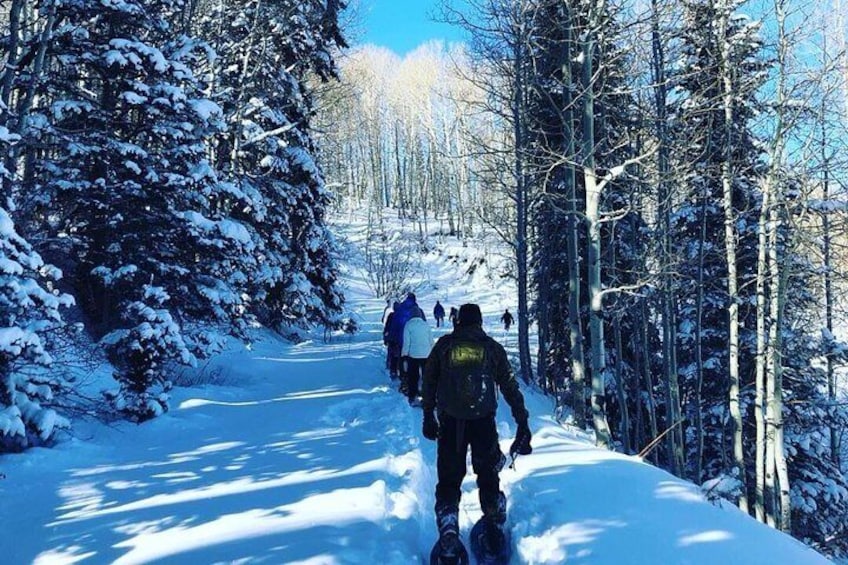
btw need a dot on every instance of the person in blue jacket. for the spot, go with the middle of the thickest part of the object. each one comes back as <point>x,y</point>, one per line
<point>403,312</point>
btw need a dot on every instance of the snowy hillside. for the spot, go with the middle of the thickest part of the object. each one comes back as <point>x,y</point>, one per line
<point>314,458</point>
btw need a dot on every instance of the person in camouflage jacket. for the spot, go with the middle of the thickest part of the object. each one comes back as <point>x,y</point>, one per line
<point>462,375</point>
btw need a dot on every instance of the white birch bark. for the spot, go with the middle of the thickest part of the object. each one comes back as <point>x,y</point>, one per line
<point>730,254</point>
<point>760,399</point>
<point>778,274</point>
<point>593,219</point>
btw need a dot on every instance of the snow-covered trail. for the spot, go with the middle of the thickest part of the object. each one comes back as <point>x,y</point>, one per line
<point>311,457</point>
<point>317,460</point>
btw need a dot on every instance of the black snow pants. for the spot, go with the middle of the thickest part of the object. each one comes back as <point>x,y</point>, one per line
<point>414,375</point>
<point>393,359</point>
<point>455,436</point>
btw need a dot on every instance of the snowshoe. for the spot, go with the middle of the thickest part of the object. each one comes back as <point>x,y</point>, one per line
<point>490,543</point>
<point>449,550</point>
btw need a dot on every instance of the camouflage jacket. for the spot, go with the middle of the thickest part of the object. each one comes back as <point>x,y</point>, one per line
<point>461,373</point>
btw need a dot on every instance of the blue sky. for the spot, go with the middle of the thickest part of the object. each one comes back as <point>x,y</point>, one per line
<point>403,25</point>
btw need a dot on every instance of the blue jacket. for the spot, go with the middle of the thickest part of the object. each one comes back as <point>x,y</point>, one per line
<point>403,313</point>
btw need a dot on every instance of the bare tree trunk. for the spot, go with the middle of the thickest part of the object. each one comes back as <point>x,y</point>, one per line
<point>778,275</point>
<point>578,362</point>
<point>674,441</point>
<point>621,387</point>
<point>783,515</point>
<point>770,500</point>
<point>827,260</point>
<point>646,374</point>
<point>542,287</point>
<point>620,383</point>
<point>247,68</point>
<point>521,182</point>
<point>730,255</point>
<point>400,181</point>
<point>593,219</point>
<point>771,505</point>
<point>759,416</point>
<point>699,349</point>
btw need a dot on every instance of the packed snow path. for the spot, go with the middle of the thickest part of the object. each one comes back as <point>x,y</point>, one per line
<point>311,457</point>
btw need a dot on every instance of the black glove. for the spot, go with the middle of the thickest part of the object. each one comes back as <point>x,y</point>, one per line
<point>521,444</point>
<point>431,426</point>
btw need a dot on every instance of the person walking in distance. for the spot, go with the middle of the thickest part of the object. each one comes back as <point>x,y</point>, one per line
<point>507,319</point>
<point>392,347</point>
<point>439,314</point>
<point>417,343</point>
<point>460,379</point>
<point>453,314</point>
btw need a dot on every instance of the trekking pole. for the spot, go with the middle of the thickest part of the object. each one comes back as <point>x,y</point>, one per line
<point>514,456</point>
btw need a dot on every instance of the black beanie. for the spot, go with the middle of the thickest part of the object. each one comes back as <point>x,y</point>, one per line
<point>469,315</point>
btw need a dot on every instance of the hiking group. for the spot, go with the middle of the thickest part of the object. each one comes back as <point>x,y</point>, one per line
<point>459,376</point>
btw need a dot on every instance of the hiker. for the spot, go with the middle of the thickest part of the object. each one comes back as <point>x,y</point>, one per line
<point>453,315</point>
<point>439,314</point>
<point>459,381</point>
<point>507,319</point>
<point>417,343</point>
<point>386,311</point>
<point>392,347</point>
<point>403,312</point>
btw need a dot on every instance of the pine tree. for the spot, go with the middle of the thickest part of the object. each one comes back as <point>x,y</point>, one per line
<point>142,222</point>
<point>711,147</point>
<point>818,489</point>
<point>29,311</point>
<point>558,234</point>
<point>266,54</point>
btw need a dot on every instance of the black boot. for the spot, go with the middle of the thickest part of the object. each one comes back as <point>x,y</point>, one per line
<point>447,520</point>
<point>494,517</point>
<point>452,550</point>
<point>449,550</point>
<point>495,511</point>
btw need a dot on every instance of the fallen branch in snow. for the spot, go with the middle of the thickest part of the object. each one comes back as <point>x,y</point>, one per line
<point>650,447</point>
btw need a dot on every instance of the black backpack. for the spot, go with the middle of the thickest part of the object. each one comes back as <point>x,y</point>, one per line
<point>467,390</point>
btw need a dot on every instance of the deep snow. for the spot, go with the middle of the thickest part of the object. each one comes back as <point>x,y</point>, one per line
<point>310,456</point>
